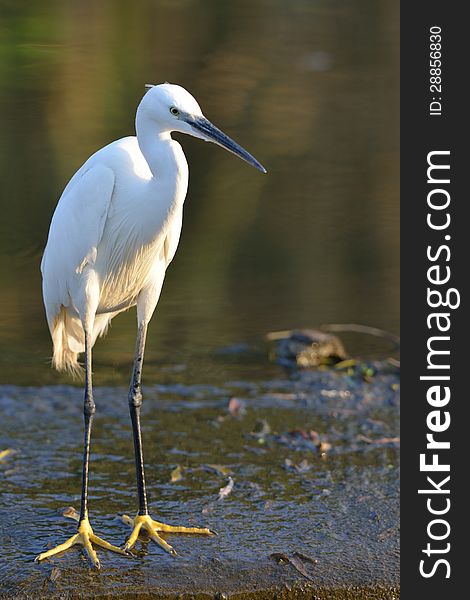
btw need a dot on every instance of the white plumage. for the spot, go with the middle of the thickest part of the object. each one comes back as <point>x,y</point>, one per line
<point>118,222</point>
<point>113,234</point>
<point>115,230</point>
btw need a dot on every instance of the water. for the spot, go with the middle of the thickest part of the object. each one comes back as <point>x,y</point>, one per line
<point>311,89</point>
<point>338,505</point>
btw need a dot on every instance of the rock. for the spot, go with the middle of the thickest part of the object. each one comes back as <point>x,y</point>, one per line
<point>306,348</point>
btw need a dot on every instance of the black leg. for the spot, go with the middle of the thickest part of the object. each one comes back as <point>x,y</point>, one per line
<point>89,410</point>
<point>143,521</point>
<point>135,402</point>
<point>85,536</point>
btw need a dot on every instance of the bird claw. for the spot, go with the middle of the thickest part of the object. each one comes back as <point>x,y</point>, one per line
<point>84,537</point>
<point>154,528</point>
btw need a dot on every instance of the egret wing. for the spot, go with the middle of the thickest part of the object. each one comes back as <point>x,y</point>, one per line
<point>75,232</point>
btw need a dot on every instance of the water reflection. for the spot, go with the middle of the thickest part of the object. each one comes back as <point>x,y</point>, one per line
<point>309,87</point>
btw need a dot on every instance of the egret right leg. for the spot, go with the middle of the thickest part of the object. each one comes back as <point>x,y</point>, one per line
<point>143,521</point>
<point>85,536</point>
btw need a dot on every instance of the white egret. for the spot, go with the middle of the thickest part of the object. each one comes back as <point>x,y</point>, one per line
<point>113,234</point>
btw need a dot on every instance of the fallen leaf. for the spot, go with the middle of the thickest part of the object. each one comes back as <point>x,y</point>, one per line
<point>379,441</point>
<point>298,564</point>
<point>5,453</point>
<point>70,513</point>
<point>225,491</point>
<point>296,560</point>
<point>236,407</point>
<point>176,474</point>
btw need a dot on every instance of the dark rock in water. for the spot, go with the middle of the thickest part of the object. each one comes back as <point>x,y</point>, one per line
<point>307,348</point>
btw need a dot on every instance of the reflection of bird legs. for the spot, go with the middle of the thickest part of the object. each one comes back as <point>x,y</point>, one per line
<point>143,521</point>
<point>85,536</point>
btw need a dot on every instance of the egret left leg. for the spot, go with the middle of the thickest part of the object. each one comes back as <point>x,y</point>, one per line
<point>85,536</point>
<point>143,521</point>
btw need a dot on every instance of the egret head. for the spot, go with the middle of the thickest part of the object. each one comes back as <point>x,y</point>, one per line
<point>174,109</point>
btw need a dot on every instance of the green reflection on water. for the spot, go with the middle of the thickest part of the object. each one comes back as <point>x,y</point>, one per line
<point>311,88</point>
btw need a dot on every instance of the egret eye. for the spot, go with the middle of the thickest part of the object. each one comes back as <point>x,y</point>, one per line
<point>174,111</point>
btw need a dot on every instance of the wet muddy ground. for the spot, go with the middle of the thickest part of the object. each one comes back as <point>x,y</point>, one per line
<point>313,457</point>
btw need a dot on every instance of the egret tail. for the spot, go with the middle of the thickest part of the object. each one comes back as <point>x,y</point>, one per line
<point>66,338</point>
<point>69,341</point>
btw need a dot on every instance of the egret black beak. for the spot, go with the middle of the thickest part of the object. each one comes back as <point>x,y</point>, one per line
<point>213,134</point>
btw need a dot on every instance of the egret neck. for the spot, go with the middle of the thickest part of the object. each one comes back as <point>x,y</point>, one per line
<point>163,154</point>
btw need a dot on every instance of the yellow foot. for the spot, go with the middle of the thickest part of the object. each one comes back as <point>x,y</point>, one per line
<point>84,537</point>
<point>153,528</point>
